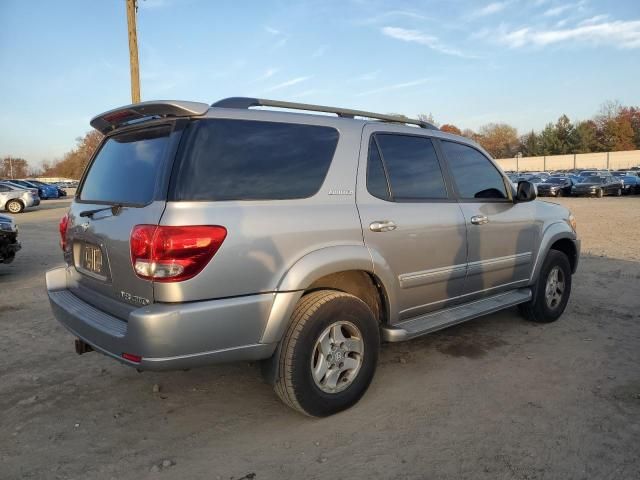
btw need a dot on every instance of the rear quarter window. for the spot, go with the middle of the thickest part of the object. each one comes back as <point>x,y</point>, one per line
<point>253,160</point>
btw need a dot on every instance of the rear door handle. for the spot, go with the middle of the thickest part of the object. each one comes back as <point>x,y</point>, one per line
<point>479,219</point>
<point>382,226</point>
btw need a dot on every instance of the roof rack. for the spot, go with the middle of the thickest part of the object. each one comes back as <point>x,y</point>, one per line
<point>248,102</point>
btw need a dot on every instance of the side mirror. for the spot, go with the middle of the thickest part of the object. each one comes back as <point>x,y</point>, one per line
<point>526,191</point>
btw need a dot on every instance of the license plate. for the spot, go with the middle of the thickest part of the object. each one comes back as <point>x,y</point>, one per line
<point>92,259</point>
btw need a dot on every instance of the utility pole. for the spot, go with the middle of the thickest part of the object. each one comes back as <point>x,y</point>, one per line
<point>133,50</point>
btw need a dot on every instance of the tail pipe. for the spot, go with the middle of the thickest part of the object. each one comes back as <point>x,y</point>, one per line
<point>82,347</point>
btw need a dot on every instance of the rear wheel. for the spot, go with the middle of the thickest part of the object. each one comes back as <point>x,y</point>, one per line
<point>14,206</point>
<point>329,353</point>
<point>551,291</point>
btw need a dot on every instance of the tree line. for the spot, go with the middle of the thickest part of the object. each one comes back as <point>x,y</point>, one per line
<point>614,128</point>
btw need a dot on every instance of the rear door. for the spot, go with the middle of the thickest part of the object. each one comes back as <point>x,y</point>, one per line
<point>410,218</point>
<point>125,185</point>
<point>501,234</point>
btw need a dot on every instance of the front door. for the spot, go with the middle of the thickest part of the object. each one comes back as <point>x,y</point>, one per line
<point>501,234</point>
<point>410,218</point>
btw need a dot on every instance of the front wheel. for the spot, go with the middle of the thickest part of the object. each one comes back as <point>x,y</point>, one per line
<point>329,353</point>
<point>551,291</point>
<point>619,192</point>
<point>560,193</point>
<point>600,193</point>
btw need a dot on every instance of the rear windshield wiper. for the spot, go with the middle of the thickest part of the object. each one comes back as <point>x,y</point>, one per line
<point>115,210</point>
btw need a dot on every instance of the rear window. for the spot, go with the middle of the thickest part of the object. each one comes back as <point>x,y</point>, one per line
<point>127,168</point>
<point>253,160</point>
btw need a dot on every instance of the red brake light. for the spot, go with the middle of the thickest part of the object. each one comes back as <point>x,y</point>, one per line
<point>173,254</point>
<point>63,226</point>
<point>132,357</point>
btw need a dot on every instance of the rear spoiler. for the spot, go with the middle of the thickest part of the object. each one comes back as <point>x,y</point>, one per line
<point>119,117</point>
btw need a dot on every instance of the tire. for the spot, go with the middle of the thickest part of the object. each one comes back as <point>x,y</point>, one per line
<point>619,192</point>
<point>600,193</point>
<point>316,314</point>
<point>539,309</point>
<point>14,206</point>
<point>560,193</point>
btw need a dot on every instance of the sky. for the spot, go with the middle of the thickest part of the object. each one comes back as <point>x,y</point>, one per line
<point>466,62</point>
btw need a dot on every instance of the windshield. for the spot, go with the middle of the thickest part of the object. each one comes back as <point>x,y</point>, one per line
<point>127,168</point>
<point>591,179</point>
<point>556,180</point>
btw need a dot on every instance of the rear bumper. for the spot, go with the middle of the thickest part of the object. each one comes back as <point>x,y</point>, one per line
<point>168,336</point>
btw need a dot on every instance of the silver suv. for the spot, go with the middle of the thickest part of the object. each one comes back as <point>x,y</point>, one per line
<point>213,234</point>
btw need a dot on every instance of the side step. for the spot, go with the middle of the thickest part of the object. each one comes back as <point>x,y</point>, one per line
<point>414,327</point>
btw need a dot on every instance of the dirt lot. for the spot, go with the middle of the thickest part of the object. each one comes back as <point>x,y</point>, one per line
<point>496,398</point>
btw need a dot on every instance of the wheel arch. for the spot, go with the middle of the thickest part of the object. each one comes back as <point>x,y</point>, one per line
<point>557,236</point>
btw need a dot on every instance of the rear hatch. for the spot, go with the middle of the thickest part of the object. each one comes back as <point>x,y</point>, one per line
<point>124,186</point>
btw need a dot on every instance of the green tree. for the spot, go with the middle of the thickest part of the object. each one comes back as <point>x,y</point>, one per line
<point>584,138</point>
<point>564,132</point>
<point>530,144</point>
<point>549,142</point>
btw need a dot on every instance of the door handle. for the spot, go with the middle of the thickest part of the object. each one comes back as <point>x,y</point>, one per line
<point>382,226</point>
<point>479,219</point>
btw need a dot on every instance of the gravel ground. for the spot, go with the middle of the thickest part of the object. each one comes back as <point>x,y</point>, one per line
<point>495,398</point>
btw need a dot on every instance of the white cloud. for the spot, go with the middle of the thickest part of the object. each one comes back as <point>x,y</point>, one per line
<point>268,73</point>
<point>491,8</point>
<point>396,86</point>
<point>622,34</point>
<point>416,36</point>
<point>594,19</point>
<point>560,9</point>
<point>288,83</point>
<point>272,31</point>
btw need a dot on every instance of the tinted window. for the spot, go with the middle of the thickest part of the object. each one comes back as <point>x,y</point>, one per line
<point>127,168</point>
<point>412,166</point>
<point>251,160</point>
<point>376,178</point>
<point>592,179</point>
<point>474,175</point>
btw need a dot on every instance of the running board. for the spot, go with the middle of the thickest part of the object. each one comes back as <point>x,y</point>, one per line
<point>414,327</point>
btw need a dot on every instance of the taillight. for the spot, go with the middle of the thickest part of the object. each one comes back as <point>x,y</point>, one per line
<point>173,254</point>
<point>63,226</point>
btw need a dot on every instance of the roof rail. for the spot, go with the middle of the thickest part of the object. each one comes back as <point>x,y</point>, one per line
<point>248,102</point>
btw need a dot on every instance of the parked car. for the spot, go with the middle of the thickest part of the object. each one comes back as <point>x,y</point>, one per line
<point>50,191</point>
<point>15,184</point>
<point>555,187</point>
<point>597,186</point>
<point>9,244</point>
<point>630,184</point>
<point>45,191</point>
<point>298,240</point>
<point>15,200</point>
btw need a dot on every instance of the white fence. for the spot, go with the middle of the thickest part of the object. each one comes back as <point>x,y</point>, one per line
<point>608,160</point>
